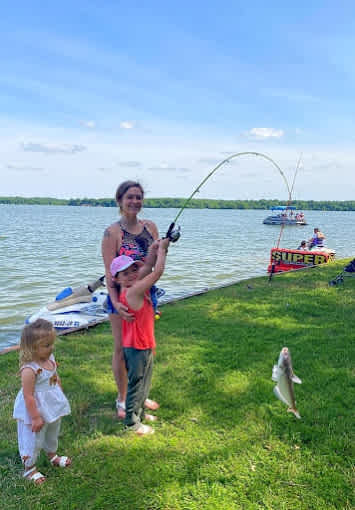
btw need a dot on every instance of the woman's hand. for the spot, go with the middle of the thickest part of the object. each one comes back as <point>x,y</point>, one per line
<point>37,423</point>
<point>122,312</point>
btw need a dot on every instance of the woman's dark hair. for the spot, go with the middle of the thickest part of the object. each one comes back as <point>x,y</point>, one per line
<point>124,187</point>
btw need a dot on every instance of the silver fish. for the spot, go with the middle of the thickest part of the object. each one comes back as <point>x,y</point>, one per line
<point>282,373</point>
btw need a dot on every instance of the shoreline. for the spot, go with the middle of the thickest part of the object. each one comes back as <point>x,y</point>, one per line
<point>205,290</point>
<point>16,347</point>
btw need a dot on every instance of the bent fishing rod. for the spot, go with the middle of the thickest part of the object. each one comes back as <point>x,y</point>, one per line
<point>174,234</point>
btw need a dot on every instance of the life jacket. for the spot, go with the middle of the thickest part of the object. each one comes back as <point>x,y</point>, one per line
<point>318,241</point>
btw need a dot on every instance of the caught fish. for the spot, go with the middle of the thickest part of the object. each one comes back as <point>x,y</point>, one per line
<point>282,373</point>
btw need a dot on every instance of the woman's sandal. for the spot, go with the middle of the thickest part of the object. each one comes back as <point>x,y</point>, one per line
<point>150,417</point>
<point>121,410</point>
<point>62,462</point>
<point>151,404</point>
<point>34,476</point>
<point>144,430</point>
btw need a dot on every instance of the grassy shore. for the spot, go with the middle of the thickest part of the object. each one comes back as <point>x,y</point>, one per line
<point>223,441</point>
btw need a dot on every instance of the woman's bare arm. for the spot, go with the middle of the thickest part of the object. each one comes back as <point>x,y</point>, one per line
<point>111,244</point>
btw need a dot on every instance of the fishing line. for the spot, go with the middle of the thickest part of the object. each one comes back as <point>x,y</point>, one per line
<point>283,224</point>
<point>175,234</point>
<point>289,199</point>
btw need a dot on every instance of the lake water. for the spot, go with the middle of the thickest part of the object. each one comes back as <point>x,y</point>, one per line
<point>44,249</point>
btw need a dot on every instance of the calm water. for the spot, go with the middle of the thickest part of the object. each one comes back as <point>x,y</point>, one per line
<point>46,248</point>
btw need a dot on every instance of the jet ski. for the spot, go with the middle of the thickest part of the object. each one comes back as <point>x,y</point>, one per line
<point>81,308</point>
<point>75,309</point>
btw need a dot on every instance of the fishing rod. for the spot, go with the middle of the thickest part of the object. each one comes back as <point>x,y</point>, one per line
<point>174,234</point>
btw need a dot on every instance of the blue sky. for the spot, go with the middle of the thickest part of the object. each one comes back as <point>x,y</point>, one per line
<point>96,92</point>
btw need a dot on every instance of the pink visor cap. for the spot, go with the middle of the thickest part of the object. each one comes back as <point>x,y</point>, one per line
<point>121,263</point>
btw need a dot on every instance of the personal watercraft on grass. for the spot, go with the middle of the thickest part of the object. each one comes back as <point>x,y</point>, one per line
<point>83,307</point>
<point>75,309</point>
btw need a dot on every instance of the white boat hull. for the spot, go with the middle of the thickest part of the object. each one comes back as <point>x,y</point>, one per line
<point>274,220</point>
<point>76,316</point>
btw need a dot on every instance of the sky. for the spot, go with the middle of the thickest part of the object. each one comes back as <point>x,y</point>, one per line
<point>96,92</point>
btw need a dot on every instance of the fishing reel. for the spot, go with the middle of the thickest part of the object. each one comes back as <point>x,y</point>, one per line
<point>173,233</point>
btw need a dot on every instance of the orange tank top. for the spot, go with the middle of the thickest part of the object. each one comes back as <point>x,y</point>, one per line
<point>139,333</point>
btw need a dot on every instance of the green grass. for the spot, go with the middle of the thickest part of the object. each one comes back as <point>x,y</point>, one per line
<point>223,441</point>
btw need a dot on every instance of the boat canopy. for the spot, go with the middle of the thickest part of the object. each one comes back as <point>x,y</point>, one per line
<point>282,207</point>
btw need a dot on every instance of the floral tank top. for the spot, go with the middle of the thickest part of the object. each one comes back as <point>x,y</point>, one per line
<point>135,245</point>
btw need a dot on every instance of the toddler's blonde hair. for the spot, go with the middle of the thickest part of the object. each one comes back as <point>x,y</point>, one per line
<point>33,333</point>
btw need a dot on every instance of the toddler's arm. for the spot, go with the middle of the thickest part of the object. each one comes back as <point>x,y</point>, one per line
<point>28,378</point>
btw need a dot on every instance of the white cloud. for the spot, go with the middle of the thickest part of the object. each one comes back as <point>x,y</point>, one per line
<point>97,172</point>
<point>263,133</point>
<point>162,168</point>
<point>127,124</point>
<point>130,164</point>
<point>24,168</point>
<point>48,148</point>
<point>90,124</point>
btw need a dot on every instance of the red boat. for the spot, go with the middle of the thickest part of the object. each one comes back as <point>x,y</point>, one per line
<point>284,259</point>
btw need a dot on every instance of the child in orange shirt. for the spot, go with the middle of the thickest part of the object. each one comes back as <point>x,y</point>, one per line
<point>138,339</point>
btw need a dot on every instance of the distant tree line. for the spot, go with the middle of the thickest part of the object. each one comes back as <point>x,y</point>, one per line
<point>196,203</point>
<point>33,200</point>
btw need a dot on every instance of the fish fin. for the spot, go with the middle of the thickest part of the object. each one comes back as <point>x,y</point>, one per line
<point>275,373</point>
<point>295,412</point>
<point>296,379</point>
<point>279,395</point>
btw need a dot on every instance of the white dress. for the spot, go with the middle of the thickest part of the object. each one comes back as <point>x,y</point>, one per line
<point>51,402</point>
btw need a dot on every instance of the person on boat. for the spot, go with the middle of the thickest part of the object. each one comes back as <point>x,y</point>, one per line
<point>133,237</point>
<point>303,246</point>
<point>138,341</point>
<point>317,240</point>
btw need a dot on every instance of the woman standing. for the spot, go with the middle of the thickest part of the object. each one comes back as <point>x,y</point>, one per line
<point>128,236</point>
